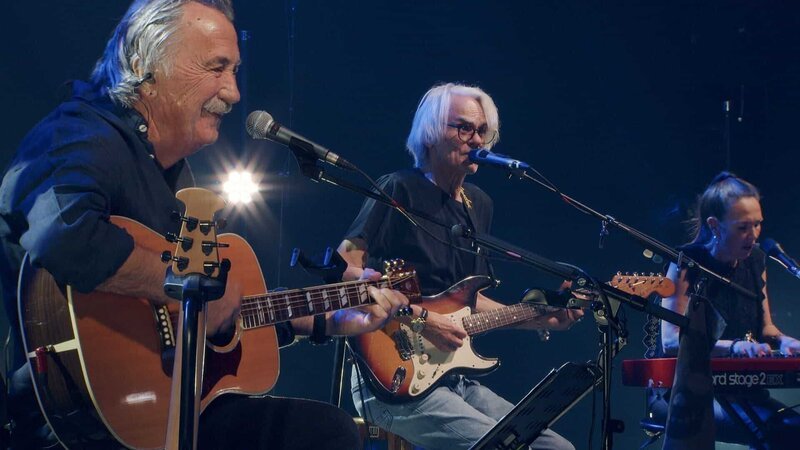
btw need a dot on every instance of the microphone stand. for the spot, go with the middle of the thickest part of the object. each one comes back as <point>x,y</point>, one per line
<point>605,312</point>
<point>648,242</point>
<point>682,261</point>
<point>310,168</point>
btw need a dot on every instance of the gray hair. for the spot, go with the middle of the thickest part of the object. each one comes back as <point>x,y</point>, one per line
<point>141,39</point>
<point>430,120</point>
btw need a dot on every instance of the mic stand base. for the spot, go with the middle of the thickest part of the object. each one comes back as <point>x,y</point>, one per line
<point>194,290</point>
<point>609,323</point>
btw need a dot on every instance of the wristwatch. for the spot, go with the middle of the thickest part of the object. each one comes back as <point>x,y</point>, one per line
<point>418,323</point>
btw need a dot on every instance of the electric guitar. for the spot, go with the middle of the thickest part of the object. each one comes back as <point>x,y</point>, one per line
<point>400,365</point>
<point>102,363</point>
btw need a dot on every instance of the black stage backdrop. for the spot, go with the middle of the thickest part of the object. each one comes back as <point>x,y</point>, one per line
<point>620,104</point>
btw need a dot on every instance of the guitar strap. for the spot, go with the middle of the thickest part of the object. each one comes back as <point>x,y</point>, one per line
<point>466,203</point>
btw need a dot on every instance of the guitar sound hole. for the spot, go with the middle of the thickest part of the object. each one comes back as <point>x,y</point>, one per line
<point>223,339</point>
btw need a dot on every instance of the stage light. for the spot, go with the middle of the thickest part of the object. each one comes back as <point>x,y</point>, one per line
<point>240,187</point>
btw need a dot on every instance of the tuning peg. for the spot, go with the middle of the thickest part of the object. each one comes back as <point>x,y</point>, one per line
<point>206,225</point>
<point>208,246</point>
<point>191,222</point>
<point>181,261</point>
<point>209,266</point>
<point>186,242</point>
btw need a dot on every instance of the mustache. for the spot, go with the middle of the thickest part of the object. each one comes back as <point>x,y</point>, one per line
<point>217,106</point>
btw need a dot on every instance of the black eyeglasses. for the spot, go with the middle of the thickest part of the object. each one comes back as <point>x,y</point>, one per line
<point>467,130</point>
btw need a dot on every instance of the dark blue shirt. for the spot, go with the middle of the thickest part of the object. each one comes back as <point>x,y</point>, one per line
<point>85,161</point>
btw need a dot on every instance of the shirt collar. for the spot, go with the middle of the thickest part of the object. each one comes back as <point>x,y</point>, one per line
<point>129,116</point>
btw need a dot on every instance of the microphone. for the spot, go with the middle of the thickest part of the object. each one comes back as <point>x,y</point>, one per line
<point>775,251</point>
<point>261,125</point>
<point>485,157</point>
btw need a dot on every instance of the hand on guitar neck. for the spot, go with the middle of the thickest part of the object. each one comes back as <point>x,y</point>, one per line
<point>448,336</point>
<point>222,313</point>
<point>554,319</point>
<point>349,322</point>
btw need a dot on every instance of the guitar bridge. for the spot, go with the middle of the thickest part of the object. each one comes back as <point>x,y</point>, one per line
<point>403,345</point>
<point>166,335</point>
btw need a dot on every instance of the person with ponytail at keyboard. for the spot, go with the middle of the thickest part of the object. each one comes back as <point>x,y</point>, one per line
<point>727,225</point>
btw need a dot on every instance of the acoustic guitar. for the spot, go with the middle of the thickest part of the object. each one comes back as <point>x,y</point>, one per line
<point>102,362</point>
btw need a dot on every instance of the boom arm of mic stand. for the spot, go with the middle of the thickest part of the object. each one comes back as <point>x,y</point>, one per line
<point>641,304</point>
<point>647,241</point>
<point>559,270</point>
<point>310,168</point>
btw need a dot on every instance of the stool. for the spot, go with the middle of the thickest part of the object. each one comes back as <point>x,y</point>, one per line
<point>376,438</point>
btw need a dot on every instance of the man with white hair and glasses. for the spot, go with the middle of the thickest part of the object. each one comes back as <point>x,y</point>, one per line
<point>117,147</point>
<point>451,120</point>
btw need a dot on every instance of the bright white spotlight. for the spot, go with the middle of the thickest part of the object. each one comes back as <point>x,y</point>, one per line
<point>240,187</point>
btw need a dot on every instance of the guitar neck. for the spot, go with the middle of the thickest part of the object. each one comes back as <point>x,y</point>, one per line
<point>281,306</point>
<point>503,317</point>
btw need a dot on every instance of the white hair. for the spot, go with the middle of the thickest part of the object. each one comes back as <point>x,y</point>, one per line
<point>430,120</point>
<point>141,41</point>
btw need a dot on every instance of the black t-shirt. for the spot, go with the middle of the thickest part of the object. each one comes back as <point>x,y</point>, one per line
<point>389,235</point>
<point>742,314</point>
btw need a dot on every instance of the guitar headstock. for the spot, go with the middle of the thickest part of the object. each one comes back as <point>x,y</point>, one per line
<point>643,285</point>
<point>196,249</point>
<point>402,278</point>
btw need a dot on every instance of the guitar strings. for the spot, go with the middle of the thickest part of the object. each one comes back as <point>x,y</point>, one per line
<point>278,305</point>
<point>301,293</point>
<point>476,323</point>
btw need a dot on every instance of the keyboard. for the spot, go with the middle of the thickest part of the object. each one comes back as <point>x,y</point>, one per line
<point>728,373</point>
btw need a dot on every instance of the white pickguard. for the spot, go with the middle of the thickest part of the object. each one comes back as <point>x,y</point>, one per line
<point>430,363</point>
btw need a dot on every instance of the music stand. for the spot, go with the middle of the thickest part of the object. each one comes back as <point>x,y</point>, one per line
<point>550,399</point>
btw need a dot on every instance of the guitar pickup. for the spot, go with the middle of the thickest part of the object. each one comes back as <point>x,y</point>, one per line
<point>397,379</point>
<point>402,344</point>
<point>209,246</point>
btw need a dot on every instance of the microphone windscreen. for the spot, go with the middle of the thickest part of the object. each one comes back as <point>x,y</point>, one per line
<point>258,122</point>
<point>769,246</point>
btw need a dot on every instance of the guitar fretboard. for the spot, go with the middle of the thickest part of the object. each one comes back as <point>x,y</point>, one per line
<point>281,306</point>
<point>505,316</point>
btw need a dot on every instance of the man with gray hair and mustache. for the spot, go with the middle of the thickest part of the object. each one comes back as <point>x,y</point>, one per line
<point>118,147</point>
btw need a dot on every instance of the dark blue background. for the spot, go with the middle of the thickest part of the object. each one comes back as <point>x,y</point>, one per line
<point>620,104</point>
